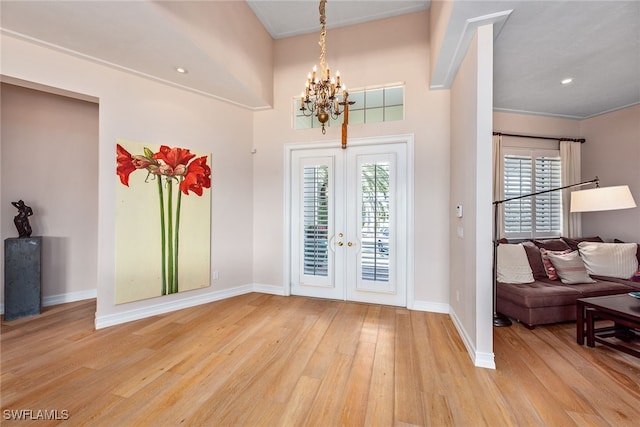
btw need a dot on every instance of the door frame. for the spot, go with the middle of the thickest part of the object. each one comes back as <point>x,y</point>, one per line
<point>408,140</point>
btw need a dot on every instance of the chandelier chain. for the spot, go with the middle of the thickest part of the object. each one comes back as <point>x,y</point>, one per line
<point>324,95</point>
<point>323,33</point>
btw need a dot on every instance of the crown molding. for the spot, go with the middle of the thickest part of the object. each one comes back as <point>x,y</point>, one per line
<point>455,46</point>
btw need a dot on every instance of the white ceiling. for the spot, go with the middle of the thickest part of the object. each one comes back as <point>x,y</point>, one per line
<point>292,18</point>
<point>541,42</point>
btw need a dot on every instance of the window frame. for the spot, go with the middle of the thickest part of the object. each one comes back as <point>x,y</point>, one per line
<point>555,205</point>
<point>355,110</point>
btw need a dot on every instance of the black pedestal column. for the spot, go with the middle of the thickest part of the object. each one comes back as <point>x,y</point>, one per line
<point>22,277</point>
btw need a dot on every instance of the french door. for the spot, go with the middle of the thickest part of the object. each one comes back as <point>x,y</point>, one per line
<point>349,223</point>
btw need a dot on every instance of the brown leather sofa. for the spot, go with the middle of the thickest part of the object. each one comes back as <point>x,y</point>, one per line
<point>550,301</point>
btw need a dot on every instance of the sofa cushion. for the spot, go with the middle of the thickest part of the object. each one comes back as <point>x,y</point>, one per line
<point>538,294</point>
<point>513,265</point>
<point>573,242</point>
<point>635,286</point>
<point>637,251</point>
<point>600,288</point>
<point>609,259</point>
<point>535,260</point>
<point>570,268</point>
<point>552,244</point>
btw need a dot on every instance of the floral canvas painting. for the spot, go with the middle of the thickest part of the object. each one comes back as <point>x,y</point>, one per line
<point>163,220</point>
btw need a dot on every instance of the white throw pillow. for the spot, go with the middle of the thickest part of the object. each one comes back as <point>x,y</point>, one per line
<point>609,259</point>
<point>570,268</point>
<point>513,264</point>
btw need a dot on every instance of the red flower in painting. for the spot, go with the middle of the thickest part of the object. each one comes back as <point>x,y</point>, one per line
<point>141,162</point>
<point>173,161</point>
<point>198,176</point>
<point>124,164</point>
<point>128,163</point>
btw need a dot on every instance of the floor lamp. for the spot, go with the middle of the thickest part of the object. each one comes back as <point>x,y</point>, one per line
<point>590,200</point>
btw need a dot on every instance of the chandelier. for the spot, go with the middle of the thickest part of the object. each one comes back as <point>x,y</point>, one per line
<point>323,95</point>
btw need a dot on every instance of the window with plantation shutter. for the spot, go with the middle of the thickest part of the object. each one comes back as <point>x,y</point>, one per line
<point>530,171</point>
<point>375,221</point>
<point>316,220</point>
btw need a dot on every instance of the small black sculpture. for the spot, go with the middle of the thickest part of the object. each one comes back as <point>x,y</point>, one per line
<point>22,219</point>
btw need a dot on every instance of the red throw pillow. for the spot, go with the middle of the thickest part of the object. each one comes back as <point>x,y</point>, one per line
<point>552,274</point>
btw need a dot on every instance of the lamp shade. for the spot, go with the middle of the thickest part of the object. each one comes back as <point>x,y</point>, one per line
<point>602,199</point>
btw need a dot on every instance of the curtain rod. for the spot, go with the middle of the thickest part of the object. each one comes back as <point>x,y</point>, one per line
<point>580,140</point>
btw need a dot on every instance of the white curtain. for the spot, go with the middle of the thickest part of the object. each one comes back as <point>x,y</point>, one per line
<point>498,181</point>
<point>570,157</point>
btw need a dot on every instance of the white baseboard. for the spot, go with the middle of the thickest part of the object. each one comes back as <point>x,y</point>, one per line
<point>433,307</point>
<point>480,359</point>
<point>166,307</point>
<point>64,298</point>
<point>69,297</point>
<point>485,360</point>
<point>115,319</point>
<point>269,289</point>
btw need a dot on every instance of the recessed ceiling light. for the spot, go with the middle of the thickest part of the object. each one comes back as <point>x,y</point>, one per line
<point>182,70</point>
<point>566,81</point>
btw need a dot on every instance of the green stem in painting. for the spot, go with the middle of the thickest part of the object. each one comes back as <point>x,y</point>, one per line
<point>163,265</point>
<point>177,237</point>
<point>170,233</point>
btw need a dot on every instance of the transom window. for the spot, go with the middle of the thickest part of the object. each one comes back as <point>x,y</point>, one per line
<point>383,104</point>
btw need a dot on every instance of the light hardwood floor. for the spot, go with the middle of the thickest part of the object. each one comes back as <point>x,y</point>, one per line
<point>292,361</point>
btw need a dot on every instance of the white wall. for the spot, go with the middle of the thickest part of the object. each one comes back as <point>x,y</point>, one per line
<point>612,152</point>
<point>529,124</point>
<point>138,109</point>
<point>49,150</point>
<point>377,53</point>
<point>471,177</point>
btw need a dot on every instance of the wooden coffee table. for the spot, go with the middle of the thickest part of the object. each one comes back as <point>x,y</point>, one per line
<point>622,309</point>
